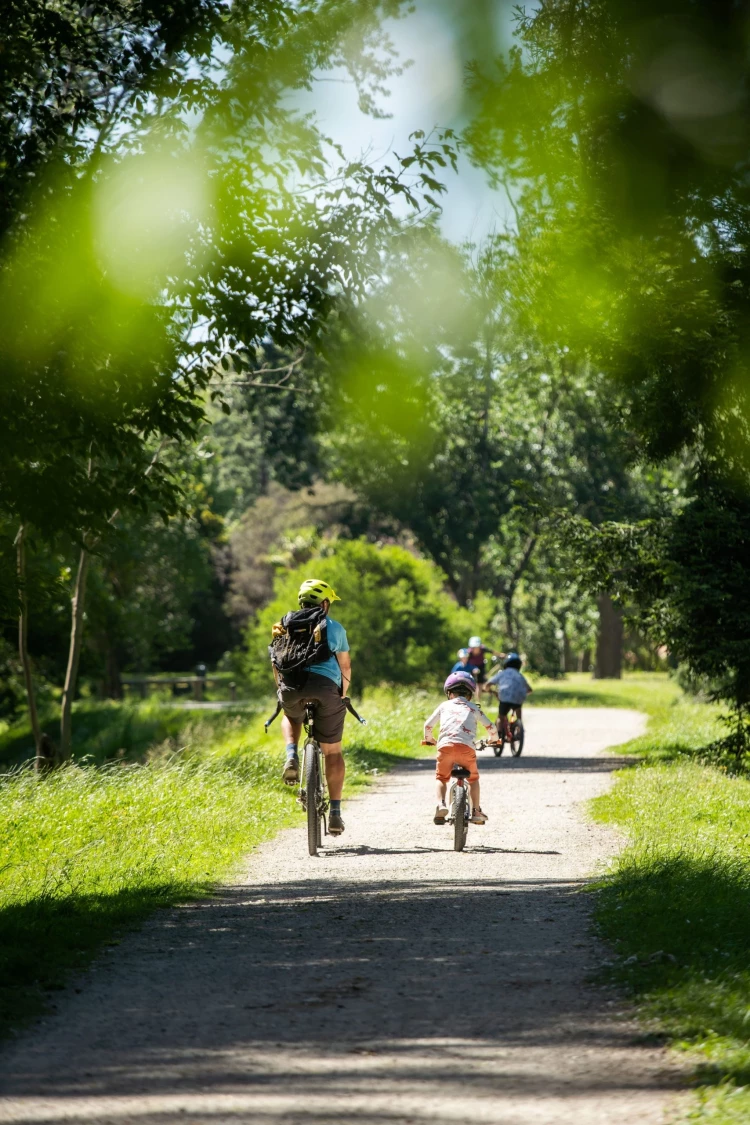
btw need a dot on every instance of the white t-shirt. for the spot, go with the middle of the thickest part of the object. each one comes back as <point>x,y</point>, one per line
<point>458,722</point>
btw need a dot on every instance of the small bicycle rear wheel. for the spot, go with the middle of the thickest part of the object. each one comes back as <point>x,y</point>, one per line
<point>516,735</point>
<point>312,786</point>
<point>460,819</point>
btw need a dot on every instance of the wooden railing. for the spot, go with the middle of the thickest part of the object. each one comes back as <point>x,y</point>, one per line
<point>197,684</point>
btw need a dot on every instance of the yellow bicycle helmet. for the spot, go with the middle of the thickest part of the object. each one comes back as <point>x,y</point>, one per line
<point>314,590</point>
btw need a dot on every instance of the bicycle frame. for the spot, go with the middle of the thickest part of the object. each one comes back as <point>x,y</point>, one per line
<point>312,746</point>
<point>508,721</point>
<point>457,783</point>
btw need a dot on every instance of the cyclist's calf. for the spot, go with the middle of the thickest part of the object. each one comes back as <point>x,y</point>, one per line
<point>335,767</point>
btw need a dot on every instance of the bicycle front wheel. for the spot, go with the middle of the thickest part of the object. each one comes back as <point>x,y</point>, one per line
<point>312,796</point>
<point>460,819</point>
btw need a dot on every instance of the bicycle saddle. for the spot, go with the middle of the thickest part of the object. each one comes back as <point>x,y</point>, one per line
<point>460,771</point>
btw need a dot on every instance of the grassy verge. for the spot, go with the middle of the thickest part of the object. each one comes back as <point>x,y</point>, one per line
<point>676,906</point>
<point>102,730</point>
<point>643,691</point>
<point>92,849</point>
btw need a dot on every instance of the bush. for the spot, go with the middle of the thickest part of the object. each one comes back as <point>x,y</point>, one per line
<point>402,625</point>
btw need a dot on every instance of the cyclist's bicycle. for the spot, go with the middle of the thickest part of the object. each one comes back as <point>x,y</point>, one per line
<point>312,794</point>
<point>510,731</point>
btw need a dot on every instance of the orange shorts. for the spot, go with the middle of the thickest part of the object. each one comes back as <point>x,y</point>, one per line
<point>456,755</point>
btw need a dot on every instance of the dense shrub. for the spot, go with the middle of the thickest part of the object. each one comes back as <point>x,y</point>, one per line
<point>402,625</point>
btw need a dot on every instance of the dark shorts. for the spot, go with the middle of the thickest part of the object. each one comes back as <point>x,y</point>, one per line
<point>506,707</point>
<point>329,713</point>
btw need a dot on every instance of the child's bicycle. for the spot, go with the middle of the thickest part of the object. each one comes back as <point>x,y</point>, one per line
<point>510,731</point>
<point>459,812</point>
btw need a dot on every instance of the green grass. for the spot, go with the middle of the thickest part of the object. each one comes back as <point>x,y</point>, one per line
<point>643,691</point>
<point>91,850</point>
<point>104,730</point>
<point>676,905</point>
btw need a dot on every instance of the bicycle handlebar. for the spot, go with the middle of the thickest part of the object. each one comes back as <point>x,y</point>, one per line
<point>351,711</point>
<point>268,722</point>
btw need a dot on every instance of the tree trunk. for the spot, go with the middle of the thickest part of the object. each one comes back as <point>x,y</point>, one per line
<point>568,659</point>
<point>41,750</point>
<point>608,664</point>
<point>78,602</point>
<point>511,625</point>
<point>112,681</point>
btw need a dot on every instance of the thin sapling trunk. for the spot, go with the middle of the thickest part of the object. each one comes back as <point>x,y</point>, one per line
<point>74,655</point>
<point>42,757</point>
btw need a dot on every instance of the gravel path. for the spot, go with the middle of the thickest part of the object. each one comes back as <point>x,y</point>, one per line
<point>390,981</point>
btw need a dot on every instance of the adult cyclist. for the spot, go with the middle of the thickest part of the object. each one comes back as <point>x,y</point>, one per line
<point>326,683</point>
<point>476,660</point>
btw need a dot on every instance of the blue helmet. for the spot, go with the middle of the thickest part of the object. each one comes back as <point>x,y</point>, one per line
<point>512,660</point>
<point>463,653</point>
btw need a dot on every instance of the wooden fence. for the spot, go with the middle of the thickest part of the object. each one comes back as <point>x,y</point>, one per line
<point>196,684</point>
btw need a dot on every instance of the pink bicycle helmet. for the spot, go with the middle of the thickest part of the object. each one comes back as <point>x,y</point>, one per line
<point>458,680</point>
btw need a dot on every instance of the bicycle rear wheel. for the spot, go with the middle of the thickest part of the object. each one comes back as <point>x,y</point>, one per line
<point>460,819</point>
<point>516,735</point>
<point>312,787</point>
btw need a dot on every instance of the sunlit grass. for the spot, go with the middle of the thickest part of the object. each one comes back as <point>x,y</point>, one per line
<point>676,907</point>
<point>643,691</point>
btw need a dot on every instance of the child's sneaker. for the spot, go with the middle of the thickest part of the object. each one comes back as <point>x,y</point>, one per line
<point>441,813</point>
<point>478,817</point>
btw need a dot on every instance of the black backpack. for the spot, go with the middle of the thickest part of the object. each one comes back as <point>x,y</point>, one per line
<point>299,640</point>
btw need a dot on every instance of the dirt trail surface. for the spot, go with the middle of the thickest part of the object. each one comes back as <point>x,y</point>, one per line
<point>390,981</point>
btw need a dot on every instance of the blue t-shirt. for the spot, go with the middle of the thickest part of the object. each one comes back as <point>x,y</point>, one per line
<point>337,642</point>
<point>512,687</point>
<point>461,666</point>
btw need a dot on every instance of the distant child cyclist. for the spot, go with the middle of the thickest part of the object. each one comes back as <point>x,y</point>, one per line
<point>512,689</point>
<point>458,718</point>
<point>462,664</point>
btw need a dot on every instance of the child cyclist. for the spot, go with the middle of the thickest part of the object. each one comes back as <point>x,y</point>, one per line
<point>462,664</point>
<point>512,688</point>
<point>458,718</point>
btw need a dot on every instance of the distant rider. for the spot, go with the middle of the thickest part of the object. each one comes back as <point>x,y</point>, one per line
<point>457,718</point>
<point>477,658</point>
<point>462,664</point>
<point>512,688</point>
<point>326,683</point>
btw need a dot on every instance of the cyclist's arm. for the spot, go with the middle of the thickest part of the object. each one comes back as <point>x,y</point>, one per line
<point>429,725</point>
<point>345,664</point>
